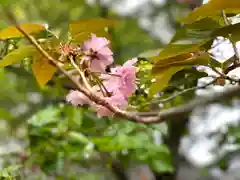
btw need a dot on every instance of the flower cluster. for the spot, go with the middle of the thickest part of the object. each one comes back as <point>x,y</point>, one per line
<point>116,86</point>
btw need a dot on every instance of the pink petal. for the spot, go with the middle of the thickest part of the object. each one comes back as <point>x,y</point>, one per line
<point>105,59</point>
<point>102,111</point>
<point>104,54</point>
<point>77,98</point>
<point>95,43</point>
<point>125,82</point>
<point>130,62</point>
<point>117,100</point>
<point>106,51</point>
<point>96,66</point>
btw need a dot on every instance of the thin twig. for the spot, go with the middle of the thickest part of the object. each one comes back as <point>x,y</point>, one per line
<point>224,76</point>
<point>110,74</point>
<point>219,73</point>
<point>182,110</point>
<point>81,74</point>
<point>102,87</point>
<point>183,92</point>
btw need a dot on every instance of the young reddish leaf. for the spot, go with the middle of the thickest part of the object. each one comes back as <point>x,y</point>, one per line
<point>162,79</point>
<point>164,69</point>
<point>13,32</point>
<point>81,37</point>
<point>189,59</point>
<point>81,30</point>
<point>17,55</point>
<point>212,8</point>
<point>189,39</point>
<point>162,61</point>
<point>42,69</point>
<point>174,50</point>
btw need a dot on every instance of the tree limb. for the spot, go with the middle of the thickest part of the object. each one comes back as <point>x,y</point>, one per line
<point>149,117</point>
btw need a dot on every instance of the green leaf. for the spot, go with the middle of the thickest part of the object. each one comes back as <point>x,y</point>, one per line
<point>51,44</point>
<point>123,142</point>
<point>163,78</point>
<point>227,63</point>
<point>17,55</point>
<point>189,39</point>
<point>196,33</point>
<point>10,172</point>
<point>164,69</point>
<point>212,8</point>
<point>13,32</point>
<point>205,24</point>
<point>81,30</point>
<point>75,116</point>
<point>162,166</point>
<point>161,127</point>
<point>79,137</point>
<point>225,31</point>
<point>160,150</point>
<point>5,2</point>
<point>150,53</point>
<point>215,63</point>
<point>44,117</point>
<point>5,114</point>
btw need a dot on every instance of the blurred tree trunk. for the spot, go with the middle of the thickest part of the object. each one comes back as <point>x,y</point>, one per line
<point>176,129</point>
<point>119,171</point>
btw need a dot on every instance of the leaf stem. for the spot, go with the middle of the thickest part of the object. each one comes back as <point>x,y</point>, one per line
<point>85,82</point>
<point>183,92</point>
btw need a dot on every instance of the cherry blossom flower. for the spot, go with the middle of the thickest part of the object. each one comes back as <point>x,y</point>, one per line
<point>98,52</point>
<point>124,79</point>
<point>77,98</point>
<point>117,100</point>
<point>120,85</point>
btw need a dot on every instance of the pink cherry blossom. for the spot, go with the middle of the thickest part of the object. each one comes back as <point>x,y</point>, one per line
<point>124,79</point>
<point>116,100</point>
<point>130,63</point>
<point>77,98</point>
<point>121,85</point>
<point>100,54</point>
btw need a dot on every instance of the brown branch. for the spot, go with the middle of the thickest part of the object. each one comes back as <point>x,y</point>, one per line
<point>91,96</point>
<point>152,117</point>
<point>182,110</point>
